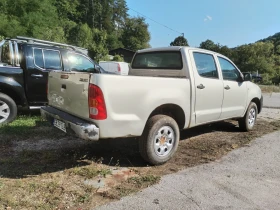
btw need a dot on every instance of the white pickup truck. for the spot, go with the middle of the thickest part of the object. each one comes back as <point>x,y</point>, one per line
<point>167,90</point>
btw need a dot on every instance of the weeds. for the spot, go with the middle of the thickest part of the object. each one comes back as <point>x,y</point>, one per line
<point>270,88</point>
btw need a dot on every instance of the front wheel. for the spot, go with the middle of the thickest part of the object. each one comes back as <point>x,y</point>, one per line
<point>8,109</point>
<point>160,139</point>
<point>248,121</point>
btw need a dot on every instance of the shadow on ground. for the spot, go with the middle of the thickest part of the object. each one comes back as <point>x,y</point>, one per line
<point>111,152</point>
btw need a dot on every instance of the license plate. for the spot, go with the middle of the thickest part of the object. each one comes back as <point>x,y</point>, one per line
<point>60,125</point>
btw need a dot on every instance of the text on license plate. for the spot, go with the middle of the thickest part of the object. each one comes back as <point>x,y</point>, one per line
<point>59,124</point>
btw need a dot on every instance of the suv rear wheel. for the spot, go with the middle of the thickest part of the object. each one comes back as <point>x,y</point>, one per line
<point>8,109</point>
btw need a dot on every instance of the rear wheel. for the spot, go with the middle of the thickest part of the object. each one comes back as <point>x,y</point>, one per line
<point>8,109</point>
<point>160,139</point>
<point>248,121</point>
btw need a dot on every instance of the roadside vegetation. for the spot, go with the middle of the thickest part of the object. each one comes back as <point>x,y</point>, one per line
<point>270,88</point>
<point>42,168</point>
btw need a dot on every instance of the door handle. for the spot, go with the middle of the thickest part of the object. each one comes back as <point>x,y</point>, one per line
<point>227,87</point>
<point>37,75</point>
<point>201,86</point>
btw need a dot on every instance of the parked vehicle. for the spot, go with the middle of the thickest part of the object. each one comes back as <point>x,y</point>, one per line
<point>167,90</point>
<point>257,78</point>
<point>120,68</point>
<point>24,67</point>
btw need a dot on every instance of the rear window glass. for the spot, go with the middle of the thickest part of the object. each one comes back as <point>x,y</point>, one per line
<point>158,60</point>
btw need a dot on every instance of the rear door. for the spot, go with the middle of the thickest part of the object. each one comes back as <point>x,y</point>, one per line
<point>40,63</point>
<point>68,90</point>
<point>235,92</point>
<point>208,87</point>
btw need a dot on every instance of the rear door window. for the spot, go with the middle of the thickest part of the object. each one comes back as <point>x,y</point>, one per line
<point>47,59</point>
<point>205,65</point>
<point>52,60</point>
<point>158,60</point>
<point>38,58</point>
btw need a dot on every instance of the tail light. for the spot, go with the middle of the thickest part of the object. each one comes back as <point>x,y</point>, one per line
<point>96,103</point>
<point>119,68</point>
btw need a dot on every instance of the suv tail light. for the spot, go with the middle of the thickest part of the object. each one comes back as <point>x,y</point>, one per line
<point>119,67</point>
<point>96,103</point>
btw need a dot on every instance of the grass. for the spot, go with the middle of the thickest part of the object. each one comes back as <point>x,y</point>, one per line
<point>27,126</point>
<point>54,178</point>
<point>144,181</point>
<point>270,88</point>
<point>132,185</point>
<point>22,125</point>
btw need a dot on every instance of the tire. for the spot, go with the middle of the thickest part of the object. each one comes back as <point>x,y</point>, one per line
<point>248,121</point>
<point>8,109</point>
<point>159,140</point>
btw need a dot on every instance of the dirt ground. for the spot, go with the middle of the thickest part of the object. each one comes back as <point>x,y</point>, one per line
<point>46,169</point>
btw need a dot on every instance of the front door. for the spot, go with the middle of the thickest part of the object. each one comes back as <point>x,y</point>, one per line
<point>235,91</point>
<point>208,88</point>
<point>40,63</point>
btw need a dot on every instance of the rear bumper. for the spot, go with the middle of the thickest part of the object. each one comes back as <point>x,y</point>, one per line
<point>73,125</point>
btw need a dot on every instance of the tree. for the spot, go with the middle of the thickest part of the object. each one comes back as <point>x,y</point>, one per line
<point>209,45</point>
<point>179,41</point>
<point>135,34</point>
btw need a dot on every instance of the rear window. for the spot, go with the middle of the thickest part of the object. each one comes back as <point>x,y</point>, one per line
<point>158,60</point>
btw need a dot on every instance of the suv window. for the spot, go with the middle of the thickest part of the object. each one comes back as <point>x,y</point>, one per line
<point>52,59</point>
<point>158,60</point>
<point>228,70</point>
<point>38,58</point>
<point>47,59</point>
<point>5,53</point>
<point>80,63</point>
<point>205,65</point>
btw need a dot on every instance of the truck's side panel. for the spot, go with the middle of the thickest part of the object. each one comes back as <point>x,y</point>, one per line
<point>131,100</point>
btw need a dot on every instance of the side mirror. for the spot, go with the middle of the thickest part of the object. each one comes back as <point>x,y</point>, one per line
<point>97,68</point>
<point>247,77</point>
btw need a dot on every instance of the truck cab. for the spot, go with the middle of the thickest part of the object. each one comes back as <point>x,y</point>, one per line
<point>24,67</point>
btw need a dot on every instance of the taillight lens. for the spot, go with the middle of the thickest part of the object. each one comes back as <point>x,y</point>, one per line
<point>96,103</point>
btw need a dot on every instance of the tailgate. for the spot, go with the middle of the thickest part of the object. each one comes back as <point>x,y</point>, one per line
<point>69,92</point>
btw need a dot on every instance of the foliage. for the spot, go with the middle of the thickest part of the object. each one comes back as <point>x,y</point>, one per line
<point>94,24</point>
<point>262,57</point>
<point>179,41</point>
<point>118,58</point>
<point>135,34</point>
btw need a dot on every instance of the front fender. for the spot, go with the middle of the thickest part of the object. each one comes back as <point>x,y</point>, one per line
<point>14,89</point>
<point>254,92</point>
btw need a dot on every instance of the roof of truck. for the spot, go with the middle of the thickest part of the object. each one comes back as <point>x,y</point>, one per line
<point>171,48</point>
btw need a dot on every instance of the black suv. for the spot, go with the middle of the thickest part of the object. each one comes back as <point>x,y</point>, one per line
<point>24,66</point>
